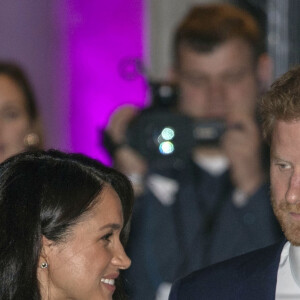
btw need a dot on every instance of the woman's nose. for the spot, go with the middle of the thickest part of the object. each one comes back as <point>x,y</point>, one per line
<point>120,259</point>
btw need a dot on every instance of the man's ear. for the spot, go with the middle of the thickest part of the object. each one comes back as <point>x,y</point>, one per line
<point>265,71</point>
<point>172,75</point>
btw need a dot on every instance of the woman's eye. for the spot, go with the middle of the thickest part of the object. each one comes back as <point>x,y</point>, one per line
<point>107,237</point>
<point>10,115</point>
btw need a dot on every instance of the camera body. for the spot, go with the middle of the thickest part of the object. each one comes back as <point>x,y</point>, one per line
<point>163,136</point>
<point>166,138</point>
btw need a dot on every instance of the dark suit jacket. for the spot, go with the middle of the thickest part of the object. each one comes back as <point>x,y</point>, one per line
<point>246,277</point>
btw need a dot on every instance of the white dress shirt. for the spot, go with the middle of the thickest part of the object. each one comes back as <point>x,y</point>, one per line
<point>288,276</point>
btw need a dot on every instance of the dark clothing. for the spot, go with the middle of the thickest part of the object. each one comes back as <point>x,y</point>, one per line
<point>201,227</point>
<point>247,277</point>
<point>240,230</point>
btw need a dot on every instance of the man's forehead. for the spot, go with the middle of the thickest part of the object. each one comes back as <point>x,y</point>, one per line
<point>230,44</point>
<point>286,134</point>
<point>231,54</point>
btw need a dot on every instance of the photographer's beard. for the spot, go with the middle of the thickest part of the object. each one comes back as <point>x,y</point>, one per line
<point>290,226</point>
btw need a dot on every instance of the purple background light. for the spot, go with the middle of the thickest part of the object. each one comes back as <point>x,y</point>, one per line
<point>71,50</point>
<point>101,34</point>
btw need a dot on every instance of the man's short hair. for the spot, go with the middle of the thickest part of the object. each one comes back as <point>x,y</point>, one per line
<point>281,102</point>
<point>207,26</point>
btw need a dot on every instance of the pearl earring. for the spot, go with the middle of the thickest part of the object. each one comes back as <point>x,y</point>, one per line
<point>44,265</point>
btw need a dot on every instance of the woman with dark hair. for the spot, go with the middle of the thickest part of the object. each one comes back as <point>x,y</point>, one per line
<point>64,219</point>
<point>20,127</point>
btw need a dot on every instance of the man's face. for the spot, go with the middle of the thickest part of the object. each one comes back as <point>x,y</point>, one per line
<point>215,83</point>
<point>285,177</point>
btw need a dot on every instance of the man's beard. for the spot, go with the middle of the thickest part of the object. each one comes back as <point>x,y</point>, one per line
<point>290,227</point>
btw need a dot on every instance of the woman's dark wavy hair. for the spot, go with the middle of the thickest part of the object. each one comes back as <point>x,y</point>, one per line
<point>44,193</point>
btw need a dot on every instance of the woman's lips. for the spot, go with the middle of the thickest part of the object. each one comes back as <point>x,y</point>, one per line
<point>109,282</point>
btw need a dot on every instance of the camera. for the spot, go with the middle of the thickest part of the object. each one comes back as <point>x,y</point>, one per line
<point>163,136</point>
<point>166,137</point>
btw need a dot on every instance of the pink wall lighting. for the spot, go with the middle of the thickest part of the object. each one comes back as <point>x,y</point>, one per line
<point>101,34</point>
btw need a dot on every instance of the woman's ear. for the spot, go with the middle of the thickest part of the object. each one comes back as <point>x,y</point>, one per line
<point>34,138</point>
<point>44,255</point>
<point>43,267</point>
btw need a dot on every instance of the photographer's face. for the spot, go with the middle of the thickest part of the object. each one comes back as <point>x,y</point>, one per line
<point>219,82</point>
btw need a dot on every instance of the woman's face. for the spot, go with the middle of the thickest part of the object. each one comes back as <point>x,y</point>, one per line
<point>14,119</point>
<point>86,265</point>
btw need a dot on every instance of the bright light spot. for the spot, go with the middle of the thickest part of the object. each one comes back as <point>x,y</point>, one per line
<point>166,148</point>
<point>168,134</point>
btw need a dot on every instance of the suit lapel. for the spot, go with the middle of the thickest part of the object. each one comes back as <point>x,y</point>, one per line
<point>261,275</point>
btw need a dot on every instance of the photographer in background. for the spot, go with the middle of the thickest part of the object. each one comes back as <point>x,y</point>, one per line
<point>216,205</point>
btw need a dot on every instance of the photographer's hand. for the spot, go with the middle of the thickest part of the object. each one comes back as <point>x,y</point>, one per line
<point>133,165</point>
<point>126,159</point>
<point>119,121</point>
<point>242,144</point>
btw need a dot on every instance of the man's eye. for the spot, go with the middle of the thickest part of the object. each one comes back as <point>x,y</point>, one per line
<point>283,166</point>
<point>197,81</point>
<point>194,79</point>
<point>233,78</point>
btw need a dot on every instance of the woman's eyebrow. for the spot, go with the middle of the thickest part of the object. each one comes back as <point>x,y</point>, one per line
<point>113,226</point>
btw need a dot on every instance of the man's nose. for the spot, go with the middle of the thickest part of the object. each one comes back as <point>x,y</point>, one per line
<point>216,90</point>
<point>217,97</point>
<point>293,192</point>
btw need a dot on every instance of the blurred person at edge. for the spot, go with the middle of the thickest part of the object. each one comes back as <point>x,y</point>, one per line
<point>20,126</point>
<point>216,206</point>
<point>63,220</point>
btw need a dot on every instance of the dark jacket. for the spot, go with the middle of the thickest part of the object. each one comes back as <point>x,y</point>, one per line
<point>247,277</point>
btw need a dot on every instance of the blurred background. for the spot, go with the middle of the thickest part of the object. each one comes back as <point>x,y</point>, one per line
<point>86,58</point>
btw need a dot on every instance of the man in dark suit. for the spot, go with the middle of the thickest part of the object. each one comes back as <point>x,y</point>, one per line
<point>272,272</point>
